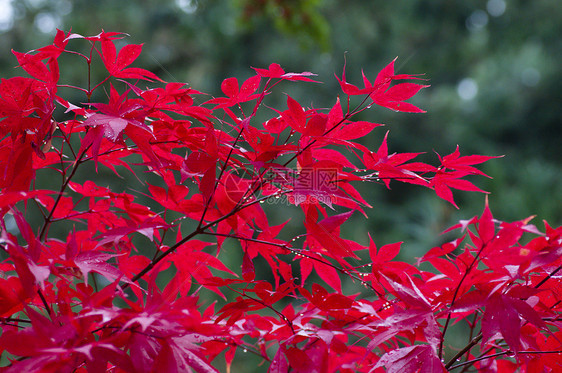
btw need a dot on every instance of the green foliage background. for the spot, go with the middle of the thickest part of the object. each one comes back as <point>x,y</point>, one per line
<point>508,50</point>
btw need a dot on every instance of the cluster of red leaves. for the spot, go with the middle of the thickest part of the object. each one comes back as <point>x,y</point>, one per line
<point>93,300</point>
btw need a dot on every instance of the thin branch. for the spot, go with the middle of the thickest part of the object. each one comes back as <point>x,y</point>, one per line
<point>357,109</point>
<point>466,348</point>
<point>63,187</point>
<point>217,181</point>
<point>47,307</point>
<point>298,252</point>
<point>457,289</point>
<point>548,277</point>
<point>197,231</point>
<point>508,352</point>
<point>280,314</point>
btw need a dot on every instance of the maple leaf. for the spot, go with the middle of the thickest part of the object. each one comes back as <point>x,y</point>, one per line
<point>462,166</point>
<point>117,114</point>
<point>52,345</point>
<point>112,120</point>
<point>442,250</point>
<point>275,125</point>
<point>248,270</point>
<point>96,261</point>
<point>146,228</point>
<point>16,104</point>
<point>550,360</point>
<point>325,301</point>
<point>385,254</point>
<point>412,359</point>
<point>279,364</point>
<point>295,115</point>
<point>323,181</point>
<point>381,91</point>
<point>8,199</point>
<point>443,181</point>
<point>197,163</point>
<point>177,356</point>
<point>116,64</point>
<point>393,97</point>
<point>58,47</point>
<point>192,262</point>
<point>486,226</point>
<point>236,94</point>
<point>264,148</point>
<point>89,189</point>
<point>312,358</point>
<point>325,272</point>
<point>34,66</point>
<point>26,259</point>
<point>12,296</point>
<point>410,294</point>
<point>26,108</point>
<point>323,154</point>
<point>275,71</point>
<point>327,234</point>
<point>354,130</point>
<point>16,166</point>
<point>503,314</point>
<point>399,322</point>
<point>382,263</point>
<point>392,166</point>
<point>454,161</point>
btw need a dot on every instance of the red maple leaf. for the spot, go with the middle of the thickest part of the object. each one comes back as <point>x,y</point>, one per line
<point>381,91</point>
<point>392,166</point>
<point>111,120</point>
<point>12,296</point>
<point>275,71</point>
<point>443,181</point>
<point>236,94</point>
<point>413,359</point>
<point>326,233</point>
<point>116,63</point>
<point>26,106</point>
<point>454,161</point>
<point>503,314</point>
<point>295,115</point>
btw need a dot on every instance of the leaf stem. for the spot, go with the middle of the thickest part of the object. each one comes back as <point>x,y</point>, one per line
<point>547,277</point>
<point>466,348</point>
<point>63,187</point>
<point>280,314</point>
<point>501,354</point>
<point>457,289</point>
<point>298,253</point>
